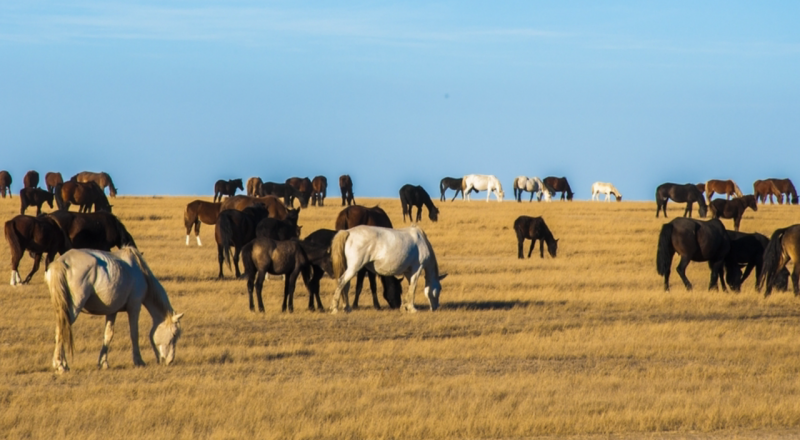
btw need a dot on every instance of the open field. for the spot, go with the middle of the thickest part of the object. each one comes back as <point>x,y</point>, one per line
<point>586,344</point>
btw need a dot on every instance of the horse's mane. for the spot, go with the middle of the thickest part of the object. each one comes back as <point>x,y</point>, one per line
<point>155,290</point>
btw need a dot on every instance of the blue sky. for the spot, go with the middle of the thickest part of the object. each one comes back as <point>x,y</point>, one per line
<point>169,96</point>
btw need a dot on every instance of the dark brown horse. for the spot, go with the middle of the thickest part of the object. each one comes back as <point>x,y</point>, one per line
<point>93,230</point>
<point>702,188</point>
<point>411,195</point>
<point>560,184</point>
<point>37,235</point>
<point>272,204</point>
<point>254,186</point>
<point>785,186</point>
<point>5,183</point>
<point>534,228</point>
<point>764,189</point>
<point>283,191</point>
<point>31,179</point>
<point>236,229</point>
<point>346,187</point>
<point>85,195</point>
<point>687,193</point>
<point>52,179</point>
<point>450,183</point>
<point>226,188</point>
<point>199,211</point>
<point>34,197</point>
<point>734,209</point>
<point>747,250</point>
<point>693,240</point>
<point>320,186</point>
<point>727,187</point>
<point>304,188</point>
<point>102,179</point>
<point>784,246</point>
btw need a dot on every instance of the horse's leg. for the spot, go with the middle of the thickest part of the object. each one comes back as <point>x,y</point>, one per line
<point>736,221</point>
<point>288,290</point>
<point>716,271</point>
<point>107,336</point>
<point>133,321</point>
<point>533,243</point>
<point>359,286</point>
<point>311,277</point>
<point>419,213</point>
<point>373,286</point>
<point>236,251</point>
<point>196,232</point>
<point>59,357</point>
<point>456,194</point>
<point>36,260</point>
<point>15,278</point>
<point>681,269</point>
<point>221,260</point>
<point>412,290</point>
<point>520,244</point>
<point>251,277</point>
<point>541,247</point>
<point>796,280</point>
<point>341,290</point>
<point>259,282</point>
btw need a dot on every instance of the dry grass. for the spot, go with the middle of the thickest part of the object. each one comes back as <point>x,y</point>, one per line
<point>585,344</point>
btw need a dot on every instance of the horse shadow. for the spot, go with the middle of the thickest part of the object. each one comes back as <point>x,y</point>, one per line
<point>494,305</point>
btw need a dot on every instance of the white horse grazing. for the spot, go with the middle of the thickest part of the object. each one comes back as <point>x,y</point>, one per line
<point>104,283</point>
<point>533,185</point>
<point>387,252</point>
<point>482,182</point>
<point>607,189</point>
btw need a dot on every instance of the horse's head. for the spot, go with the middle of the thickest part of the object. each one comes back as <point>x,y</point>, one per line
<point>552,248</point>
<point>433,291</point>
<point>750,200</point>
<point>500,195</point>
<point>392,291</point>
<point>703,208</point>
<point>794,200</point>
<point>303,199</point>
<point>433,213</point>
<point>619,198</point>
<point>165,337</point>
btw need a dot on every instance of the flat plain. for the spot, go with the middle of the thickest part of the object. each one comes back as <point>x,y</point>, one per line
<point>584,345</point>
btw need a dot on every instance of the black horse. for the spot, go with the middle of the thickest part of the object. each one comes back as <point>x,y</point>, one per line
<point>38,236</point>
<point>284,191</point>
<point>93,230</point>
<point>747,250</point>
<point>694,240</point>
<point>236,228</point>
<point>534,228</point>
<point>411,195</point>
<point>226,188</point>
<point>346,187</point>
<point>688,193</point>
<point>450,183</point>
<point>34,197</point>
<point>733,208</point>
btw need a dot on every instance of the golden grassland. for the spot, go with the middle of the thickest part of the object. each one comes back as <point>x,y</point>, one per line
<point>586,344</point>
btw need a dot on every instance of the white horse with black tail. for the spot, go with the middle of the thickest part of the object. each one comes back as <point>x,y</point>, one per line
<point>105,283</point>
<point>607,189</point>
<point>481,182</point>
<point>387,252</point>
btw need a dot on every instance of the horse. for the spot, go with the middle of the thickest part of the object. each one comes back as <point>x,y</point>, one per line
<point>387,252</point>
<point>31,179</point>
<point>272,204</point>
<point>746,250</point>
<point>254,186</point>
<point>766,188</point>
<point>304,189</point>
<point>481,182</point>
<point>784,246</point>
<point>534,228</point>
<point>727,187</point>
<point>560,184</point>
<point>688,193</point>
<point>236,228</point>
<point>411,195</point>
<point>85,195</point>
<point>701,187</point>
<point>275,229</point>
<point>37,235</point>
<point>319,185</point>
<point>52,179</point>
<point>607,189</point>
<point>450,183</point>
<point>226,188</point>
<point>346,187</point>
<point>199,211</point>
<point>106,283</point>
<point>734,209</point>
<point>5,183</point>
<point>693,240</point>
<point>34,197</point>
<point>102,179</point>
<point>785,186</point>
<point>533,185</point>
<point>287,257</point>
<point>284,191</point>
<point>93,230</point>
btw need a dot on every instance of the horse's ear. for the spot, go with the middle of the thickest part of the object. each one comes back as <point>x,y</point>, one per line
<point>441,277</point>
<point>176,318</point>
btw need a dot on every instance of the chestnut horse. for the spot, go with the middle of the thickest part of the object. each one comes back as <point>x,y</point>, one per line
<point>31,179</point>
<point>784,246</point>
<point>560,184</point>
<point>733,208</point>
<point>305,188</point>
<point>320,190</point>
<point>764,189</point>
<point>37,235</point>
<point>103,180</point>
<point>346,186</point>
<point>5,183</point>
<point>785,186</point>
<point>727,187</point>
<point>34,197</point>
<point>199,211</point>
<point>276,209</point>
<point>84,195</point>
<point>226,188</point>
<point>52,179</point>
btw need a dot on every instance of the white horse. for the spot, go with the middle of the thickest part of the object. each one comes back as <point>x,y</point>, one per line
<point>607,189</point>
<point>533,185</point>
<point>387,252</point>
<point>482,182</point>
<point>104,283</point>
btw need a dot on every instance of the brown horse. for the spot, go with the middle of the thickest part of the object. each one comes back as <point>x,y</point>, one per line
<point>304,186</point>
<point>727,187</point>
<point>784,246</point>
<point>31,179</point>
<point>320,190</point>
<point>276,209</point>
<point>199,211</point>
<point>93,230</point>
<point>254,186</point>
<point>346,186</point>
<point>693,240</point>
<point>560,184</point>
<point>37,235</point>
<point>34,197</point>
<point>764,189</point>
<point>84,195</point>
<point>52,179</point>
<point>702,187</point>
<point>103,180</point>
<point>236,228</point>
<point>785,186</point>
<point>5,183</point>
<point>733,208</point>
<point>287,257</point>
<point>226,188</point>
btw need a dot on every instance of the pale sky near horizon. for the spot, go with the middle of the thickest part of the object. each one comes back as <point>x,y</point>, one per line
<point>169,96</point>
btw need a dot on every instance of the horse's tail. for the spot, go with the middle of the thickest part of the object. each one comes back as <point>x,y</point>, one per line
<point>664,253</point>
<point>59,198</point>
<point>226,237</point>
<point>338,259</point>
<point>190,218</point>
<point>403,203</point>
<point>772,258</point>
<point>341,222</point>
<point>736,189</point>
<point>61,299</point>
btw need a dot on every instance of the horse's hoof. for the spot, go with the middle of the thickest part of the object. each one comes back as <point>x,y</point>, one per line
<point>104,366</point>
<point>334,311</point>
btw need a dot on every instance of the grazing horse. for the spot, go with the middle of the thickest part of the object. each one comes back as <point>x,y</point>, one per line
<point>102,179</point>
<point>199,211</point>
<point>734,209</point>
<point>534,228</point>
<point>320,190</point>
<point>533,185</point>
<point>727,187</point>
<point>277,229</point>
<point>272,204</point>
<point>607,189</point>
<point>287,257</point>
<point>37,235</point>
<point>785,186</point>
<point>411,195</point>
<point>5,183</point>
<point>226,188</point>
<point>763,189</point>
<point>746,250</point>
<point>85,195</point>
<point>388,252</point>
<point>481,182</point>
<point>254,186</point>
<point>106,283</point>
<point>346,187</point>
<point>693,240</point>
<point>52,179</point>
<point>93,230</point>
<point>34,197</point>
<point>283,191</point>
<point>784,246</point>
<point>688,193</point>
<point>304,189</point>
<point>560,184</point>
<point>236,228</point>
<point>31,179</point>
<point>450,183</point>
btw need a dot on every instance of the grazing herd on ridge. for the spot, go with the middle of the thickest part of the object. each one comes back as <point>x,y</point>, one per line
<point>263,229</point>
